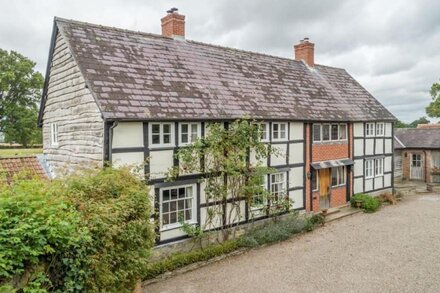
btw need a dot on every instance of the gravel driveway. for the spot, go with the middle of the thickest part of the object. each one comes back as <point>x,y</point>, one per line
<point>394,250</point>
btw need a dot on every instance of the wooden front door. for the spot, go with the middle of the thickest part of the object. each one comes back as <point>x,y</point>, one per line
<point>324,188</point>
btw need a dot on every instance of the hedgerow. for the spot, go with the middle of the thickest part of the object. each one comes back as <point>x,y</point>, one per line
<point>89,232</point>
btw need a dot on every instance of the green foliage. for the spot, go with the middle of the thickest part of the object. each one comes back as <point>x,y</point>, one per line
<point>272,232</point>
<point>179,260</point>
<point>421,120</point>
<point>433,110</point>
<point>368,203</point>
<point>225,154</point>
<point>42,240</point>
<point>90,232</point>
<point>278,231</point>
<point>20,91</point>
<point>115,207</point>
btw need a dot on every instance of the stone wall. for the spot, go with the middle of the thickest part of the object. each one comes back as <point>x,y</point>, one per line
<point>72,107</point>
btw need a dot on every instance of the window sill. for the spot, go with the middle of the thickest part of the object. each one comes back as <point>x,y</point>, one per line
<point>345,141</point>
<point>176,226</point>
<point>161,146</point>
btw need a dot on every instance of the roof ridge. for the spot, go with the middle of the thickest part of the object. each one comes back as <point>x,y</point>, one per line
<point>56,18</point>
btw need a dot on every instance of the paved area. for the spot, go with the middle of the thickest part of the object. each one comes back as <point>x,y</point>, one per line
<point>394,250</point>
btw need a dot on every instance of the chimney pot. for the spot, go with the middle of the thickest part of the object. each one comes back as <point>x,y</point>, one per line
<point>173,24</point>
<point>305,51</point>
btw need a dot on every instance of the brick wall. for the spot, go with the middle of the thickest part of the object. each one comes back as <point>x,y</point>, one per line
<point>329,151</point>
<point>338,197</point>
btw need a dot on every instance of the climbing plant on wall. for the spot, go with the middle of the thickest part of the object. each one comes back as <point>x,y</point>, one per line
<point>231,178</point>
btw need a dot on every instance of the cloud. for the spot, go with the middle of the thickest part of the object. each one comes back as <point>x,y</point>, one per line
<point>390,47</point>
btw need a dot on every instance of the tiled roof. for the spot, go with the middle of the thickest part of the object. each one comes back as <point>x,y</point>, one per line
<point>11,166</point>
<point>417,138</point>
<point>136,75</point>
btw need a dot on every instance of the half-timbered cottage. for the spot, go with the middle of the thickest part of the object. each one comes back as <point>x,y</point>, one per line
<point>124,96</point>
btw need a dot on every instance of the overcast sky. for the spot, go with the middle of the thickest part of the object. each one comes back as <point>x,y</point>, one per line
<point>391,47</point>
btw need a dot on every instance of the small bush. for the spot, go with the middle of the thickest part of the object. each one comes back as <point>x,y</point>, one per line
<point>368,203</point>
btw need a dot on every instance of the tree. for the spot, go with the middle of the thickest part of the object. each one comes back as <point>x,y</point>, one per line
<point>421,120</point>
<point>433,110</point>
<point>20,91</point>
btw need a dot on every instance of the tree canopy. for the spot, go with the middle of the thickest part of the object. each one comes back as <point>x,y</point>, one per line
<point>433,110</point>
<point>421,120</point>
<point>20,91</point>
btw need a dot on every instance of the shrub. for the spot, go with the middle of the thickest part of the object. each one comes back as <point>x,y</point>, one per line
<point>42,241</point>
<point>115,207</point>
<point>368,203</point>
<point>90,232</point>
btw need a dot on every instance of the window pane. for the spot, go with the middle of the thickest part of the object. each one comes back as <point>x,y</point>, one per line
<point>343,131</point>
<point>283,131</point>
<point>167,128</point>
<point>184,137</point>
<point>173,193</point>
<point>325,132</point>
<point>335,131</point>
<point>275,131</point>
<point>334,176</point>
<point>166,195</point>
<point>316,132</point>
<point>181,192</point>
<point>194,128</point>
<point>156,139</point>
<point>155,128</point>
<point>165,219</point>
<point>188,215</point>
<point>166,138</point>
<point>184,128</point>
<point>165,207</point>
<point>188,204</point>
<point>173,206</point>
<point>181,204</point>
<point>173,218</point>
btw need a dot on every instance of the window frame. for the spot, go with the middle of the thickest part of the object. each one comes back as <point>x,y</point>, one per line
<point>279,131</point>
<point>254,206</point>
<point>379,168</point>
<point>345,132</point>
<point>341,176</point>
<point>320,132</point>
<point>189,133</point>
<point>54,134</point>
<point>370,129</point>
<point>382,124</point>
<point>369,162</point>
<point>161,135</point>
<point>264,125</point>
<point>316,180</point>
<point>283,182</point>
<point>193,198</point>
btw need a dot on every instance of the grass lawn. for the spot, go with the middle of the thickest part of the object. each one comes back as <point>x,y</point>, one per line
<point>5,153</point>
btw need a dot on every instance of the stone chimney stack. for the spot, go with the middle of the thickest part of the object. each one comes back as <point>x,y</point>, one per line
<point>173,24</point>
<point>305,51</point>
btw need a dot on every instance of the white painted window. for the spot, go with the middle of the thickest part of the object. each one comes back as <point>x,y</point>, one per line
<point>378,167</point>
<point>278,186</point>
<point>54,134</point>
<point>335,131</point>
<point>316,132</point>
<point>259,200</point>
<point>380,129</point>
<point>189,133</point>
<point>369,129</point>
<point>263,129</point>
<point>315,180</point>
<point>279,131</point>
<point>369,168</point>
<point>161,134</point>
<point>177,204</point>
<point>339,175</point>
<point>329,132</point>
<point>325,132</point>
<point>342,131</point>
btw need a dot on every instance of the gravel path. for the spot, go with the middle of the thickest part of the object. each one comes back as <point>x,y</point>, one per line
<point>394,250</point>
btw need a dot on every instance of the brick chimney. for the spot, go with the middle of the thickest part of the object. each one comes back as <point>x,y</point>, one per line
<point>173,24</point>
<point>305,51</point>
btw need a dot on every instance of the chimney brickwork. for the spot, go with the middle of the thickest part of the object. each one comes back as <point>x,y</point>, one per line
<point>305,51</point>
<point>173,24</point>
